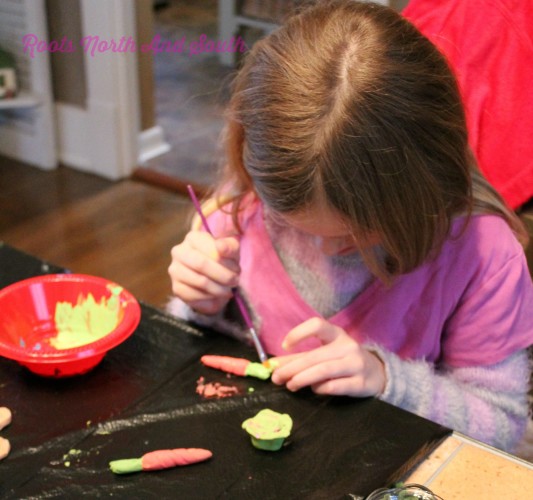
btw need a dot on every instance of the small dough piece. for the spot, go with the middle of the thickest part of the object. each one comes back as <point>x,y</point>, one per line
<point>5,417</point>
<point>5,448</point>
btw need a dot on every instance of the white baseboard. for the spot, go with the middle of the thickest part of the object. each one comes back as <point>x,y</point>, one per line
<point>151,144</point>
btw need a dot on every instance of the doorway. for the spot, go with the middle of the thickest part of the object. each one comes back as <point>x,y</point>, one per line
<point>191,91</point>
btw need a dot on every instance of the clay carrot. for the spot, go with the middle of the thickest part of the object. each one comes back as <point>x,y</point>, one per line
<point>237,366</point>
<point>160,459</point>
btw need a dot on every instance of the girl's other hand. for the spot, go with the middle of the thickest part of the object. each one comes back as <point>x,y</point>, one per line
<point>341,366</point>
<point>204,270</point>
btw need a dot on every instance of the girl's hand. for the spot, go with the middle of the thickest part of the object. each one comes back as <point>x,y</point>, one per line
<point>204,270</point>
<point>341,366</point>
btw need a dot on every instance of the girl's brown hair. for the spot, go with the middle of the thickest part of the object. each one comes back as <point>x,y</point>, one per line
<point>349,104</point>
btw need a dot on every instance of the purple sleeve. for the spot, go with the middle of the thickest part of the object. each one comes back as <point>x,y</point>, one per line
<point>494,317</point>
<point>488,403</point>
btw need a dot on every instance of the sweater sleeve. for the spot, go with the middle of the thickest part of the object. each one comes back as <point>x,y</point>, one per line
<point>488,403</point>
<point>226,321</point>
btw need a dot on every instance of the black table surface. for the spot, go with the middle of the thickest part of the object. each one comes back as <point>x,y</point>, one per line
<point>142,397</point>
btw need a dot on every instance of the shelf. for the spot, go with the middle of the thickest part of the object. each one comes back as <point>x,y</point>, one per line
<point>22,100</point>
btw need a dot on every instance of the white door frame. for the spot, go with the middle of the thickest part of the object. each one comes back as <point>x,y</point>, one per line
<point>102,138</point>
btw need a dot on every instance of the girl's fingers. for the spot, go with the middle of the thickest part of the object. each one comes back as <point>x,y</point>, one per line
<point>330,335</point>
<point>228,249</point>
<point>232,265</point>
<point>319,373</point>
<point>278,361</point>
<point>210,268</point>
<point>209,306</point>
<point>314,327</point>
<point>222,249</point>
<point>188,281</point>
<point>183,257</point>
<point>313,366</point>
<point>340,366</point>
<point>203,271</point>
<point>190,294</point>
<point>203,242</point>
<point>346,386</point>
<point>369,380</point>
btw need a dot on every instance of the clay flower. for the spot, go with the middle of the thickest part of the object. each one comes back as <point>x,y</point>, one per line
<point>268,429</point>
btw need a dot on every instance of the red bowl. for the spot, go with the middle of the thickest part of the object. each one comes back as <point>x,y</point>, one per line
<point>27,322</point>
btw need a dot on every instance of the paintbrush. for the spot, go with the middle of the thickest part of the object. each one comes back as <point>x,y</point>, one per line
<point>236,294</point>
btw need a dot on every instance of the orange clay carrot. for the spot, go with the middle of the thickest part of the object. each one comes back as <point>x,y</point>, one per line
<point>160,459</point>
<point>237,366</point>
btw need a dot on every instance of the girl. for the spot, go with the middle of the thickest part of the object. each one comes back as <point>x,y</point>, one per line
<point>375,258</point>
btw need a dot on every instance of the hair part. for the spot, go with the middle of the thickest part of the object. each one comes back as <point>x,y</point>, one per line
<point>349,104</point>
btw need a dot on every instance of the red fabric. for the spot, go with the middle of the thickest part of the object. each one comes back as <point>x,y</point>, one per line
<point>489,43</point>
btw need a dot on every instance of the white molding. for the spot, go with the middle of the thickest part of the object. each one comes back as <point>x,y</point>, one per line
<point>152,143</point>
<point>23,99</point>
<point>113,114</point>
<point>227,27</point>
<point>72,136</point>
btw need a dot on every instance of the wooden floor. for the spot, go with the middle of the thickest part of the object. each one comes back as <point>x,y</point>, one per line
<point>122,231</point>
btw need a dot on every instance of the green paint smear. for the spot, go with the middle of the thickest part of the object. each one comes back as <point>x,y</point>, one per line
<point>258,370</point>
<point>87,320</point>
<point>126,466</point>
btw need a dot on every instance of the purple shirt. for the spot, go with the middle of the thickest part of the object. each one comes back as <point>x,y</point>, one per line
<point>471,305</point>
